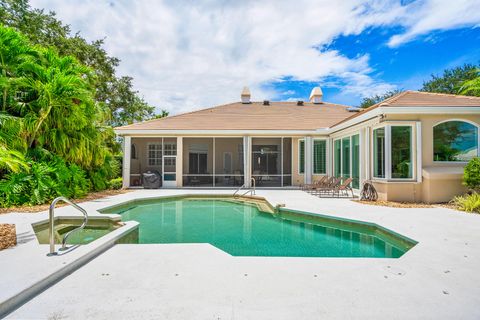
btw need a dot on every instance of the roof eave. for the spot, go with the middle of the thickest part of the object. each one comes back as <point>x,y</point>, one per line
<point>160,132</point>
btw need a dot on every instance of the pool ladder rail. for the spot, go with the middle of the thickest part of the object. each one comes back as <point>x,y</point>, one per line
<point>51,217</point>
<point>250,190</point>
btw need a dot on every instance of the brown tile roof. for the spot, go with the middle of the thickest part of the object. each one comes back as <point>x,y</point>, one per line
<point>253,116</point>
<point>421,99</point>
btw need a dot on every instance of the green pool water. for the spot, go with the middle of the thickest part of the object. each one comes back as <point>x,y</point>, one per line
<point>242,229</point>
<point>92,231</point>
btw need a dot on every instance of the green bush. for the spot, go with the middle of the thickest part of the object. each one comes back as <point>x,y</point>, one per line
<point>48,177</point>
<point>471,174</point>
<point>116,183</point>
<point>468,202</point>
<point>101,176</point>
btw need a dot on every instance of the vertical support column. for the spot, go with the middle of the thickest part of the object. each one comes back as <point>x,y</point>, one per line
<point>418,150</point>
<point>308,160</point>
<point>247,160</point>
<point>127,149</point>
<point>362,157</point>
<point>368,153</point>
<point>179,162</point>
<point>281,161</point>
<point>214,165</point>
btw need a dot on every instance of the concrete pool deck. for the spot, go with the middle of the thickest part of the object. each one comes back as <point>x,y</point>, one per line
<point>437,279</point>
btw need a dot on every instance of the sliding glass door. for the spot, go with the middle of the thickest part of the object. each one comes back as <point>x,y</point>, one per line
<point>271,161</point>
<point>346,159</point>
<point>356,161</point>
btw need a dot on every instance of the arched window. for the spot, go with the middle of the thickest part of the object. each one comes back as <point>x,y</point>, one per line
<point>133,152</point>
<point>455,141</point>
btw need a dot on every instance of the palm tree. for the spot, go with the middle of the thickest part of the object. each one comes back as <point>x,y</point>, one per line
<point>12,160</point>
<point>472,87</point>
<point>14,49</point>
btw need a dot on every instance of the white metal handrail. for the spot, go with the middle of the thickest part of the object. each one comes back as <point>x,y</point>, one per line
<point>251,190</point>
<point>51,216</point>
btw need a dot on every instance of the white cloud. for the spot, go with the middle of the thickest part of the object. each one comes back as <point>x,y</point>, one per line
<point>186,55</point>
<point>424,17</point>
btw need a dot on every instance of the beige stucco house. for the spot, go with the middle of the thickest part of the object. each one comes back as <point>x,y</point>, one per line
<point>413,146</point>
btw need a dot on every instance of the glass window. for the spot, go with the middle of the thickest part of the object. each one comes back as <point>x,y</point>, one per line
<point>455,141</point>
<point>155,154</point>
<point>346,157</point>
<point>356,161</point>
<point>401,152</point>
<point>379,153</point>
<point>170,149</point>
<point>301,153</point>
<point>337,146</point>
<point>319,156</point>
<point>197,163</point>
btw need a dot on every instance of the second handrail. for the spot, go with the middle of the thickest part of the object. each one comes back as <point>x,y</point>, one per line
<point>51,212</point>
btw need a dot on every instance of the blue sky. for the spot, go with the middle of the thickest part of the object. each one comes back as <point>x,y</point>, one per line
<point>186,55</point>
<point>405,67</point>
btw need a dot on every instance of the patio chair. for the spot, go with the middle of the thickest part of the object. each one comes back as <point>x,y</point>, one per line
<point>329,186</point>
<point>343,188</point>
<point>316,184</point>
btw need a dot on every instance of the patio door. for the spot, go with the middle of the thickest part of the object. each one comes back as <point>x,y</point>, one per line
<point>346,159</point>
<point>169,171</point>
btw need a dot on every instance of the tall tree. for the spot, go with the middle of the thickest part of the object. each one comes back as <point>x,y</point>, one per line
<point>43,28</point>
<point>451,80</point>
<point>63,117</point>
<point>471,87</point>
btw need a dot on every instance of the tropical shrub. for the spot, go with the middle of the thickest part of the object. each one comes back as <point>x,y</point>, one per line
<point>54,140</point>
<point>468,202</point>
<point>471,174</point>
<point>116,183</point>
<point>47,179</point>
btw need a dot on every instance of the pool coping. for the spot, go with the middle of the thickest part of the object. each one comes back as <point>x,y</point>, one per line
<point>77,258</point>
<point>85,253</point>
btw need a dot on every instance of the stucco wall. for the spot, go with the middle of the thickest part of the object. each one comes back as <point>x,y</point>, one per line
<point>297,178</point>
<point>399,191</point>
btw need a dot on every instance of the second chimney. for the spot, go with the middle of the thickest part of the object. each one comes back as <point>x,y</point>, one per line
<point>245,95</point>
<point>316,95</point>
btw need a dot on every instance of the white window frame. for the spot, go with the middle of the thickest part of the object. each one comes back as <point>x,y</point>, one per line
<point>169,144</point>
<point>349,136</point>
<point>326,156</point>
<point>388,150</point>
<point>459,120</point>
<point>158,161</point>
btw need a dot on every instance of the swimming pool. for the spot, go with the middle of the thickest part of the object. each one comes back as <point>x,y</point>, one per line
<point>243,228</point>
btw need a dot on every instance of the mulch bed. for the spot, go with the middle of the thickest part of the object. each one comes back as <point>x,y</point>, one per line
<point>89,197</point>
<point>8,236</point>
<point>394,204</point>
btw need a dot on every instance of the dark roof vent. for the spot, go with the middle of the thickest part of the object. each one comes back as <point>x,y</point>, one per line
<point>353,109</point>
<point>266,102</point>
<point>299,103</point>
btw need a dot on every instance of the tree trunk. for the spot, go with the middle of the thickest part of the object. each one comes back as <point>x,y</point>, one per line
<point>37,127</point>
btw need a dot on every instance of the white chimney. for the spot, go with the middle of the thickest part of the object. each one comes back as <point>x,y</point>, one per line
<point>245,96</point>
<point>316,95</point>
